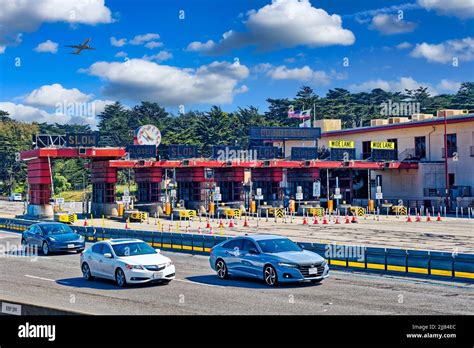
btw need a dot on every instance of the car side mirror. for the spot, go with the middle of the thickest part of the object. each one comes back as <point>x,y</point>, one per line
<point>108,255</point>
<point>158,251</point>
<point>253,252</point>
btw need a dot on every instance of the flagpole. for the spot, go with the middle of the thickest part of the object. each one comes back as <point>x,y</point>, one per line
<point>314,122</point>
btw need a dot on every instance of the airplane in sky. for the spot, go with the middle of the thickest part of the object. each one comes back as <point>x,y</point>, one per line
<point>83,46</point>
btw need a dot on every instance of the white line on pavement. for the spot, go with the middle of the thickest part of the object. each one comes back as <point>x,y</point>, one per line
<point>47,279</point>
<point>191,282</point>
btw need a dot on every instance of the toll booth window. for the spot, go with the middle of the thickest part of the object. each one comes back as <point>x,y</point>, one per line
<point>420,147</point>
<point>366,150</point>
<point>395,141</point>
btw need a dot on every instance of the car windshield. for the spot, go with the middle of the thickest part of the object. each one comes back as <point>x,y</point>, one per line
<point>278,245</point>
<point>133,249</point>
<point>55,230</point>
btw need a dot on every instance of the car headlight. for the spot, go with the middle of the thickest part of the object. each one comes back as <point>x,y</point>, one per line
<point>51,239</point>
<point>170,263</point>
<point>134,267</point>
<point>323,263</point>
<point>286,264</point>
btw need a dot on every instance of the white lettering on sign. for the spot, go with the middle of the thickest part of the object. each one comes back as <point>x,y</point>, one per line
<point>11,308</point>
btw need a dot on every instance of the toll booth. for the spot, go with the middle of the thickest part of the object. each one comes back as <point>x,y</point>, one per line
<point>230,182</point>
<point>148,188</point>
<point>194,187</point>
<point>303,177</point>
<point>269,180</point>
<point>39,179</point>
<point>104,179</point>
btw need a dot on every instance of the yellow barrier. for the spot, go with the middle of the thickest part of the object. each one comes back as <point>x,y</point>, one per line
<point>186,214</point>
<point>66,218</point>
<point>318,211</point>
<point>138,216</point>
<point>359,211</point>
<point>399,209</point>
<point>228,212</point>
<point>330,205</point>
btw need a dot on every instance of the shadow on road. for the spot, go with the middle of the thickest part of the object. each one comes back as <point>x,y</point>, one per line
<point>101,284</point>
<point>242,282</point>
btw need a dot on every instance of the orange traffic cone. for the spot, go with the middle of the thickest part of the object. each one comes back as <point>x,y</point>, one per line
<point>210,230</point>
<point>408,218</point>
<point>439,217</point>
<point>221,224</point>
<point>85,222</point>
<point>199,230</point>
<point>231,223</point>
<point>208,225</point>
<point>347,219</point>
<point>325,220</point>
<point>418,219</point>
<point>428,218</point>
<point>337,220</point>
<point>315,222</point>
<point>354,219</point>
<point>126,224</point>
<point>246,223</point>
<point>305,222</point>
<point>187,229</point>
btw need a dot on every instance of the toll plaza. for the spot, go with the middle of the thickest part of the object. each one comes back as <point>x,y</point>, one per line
<point>231,179</point>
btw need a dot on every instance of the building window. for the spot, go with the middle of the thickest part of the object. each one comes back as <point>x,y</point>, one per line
<point>451,140</point>
<point>420,147</point>
<point>366,151</point>
<point>451,179</point>
<point>394,141</point>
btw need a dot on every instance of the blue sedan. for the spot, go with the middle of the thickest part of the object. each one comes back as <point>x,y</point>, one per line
<point>268,257</point>
<point>52,237</point>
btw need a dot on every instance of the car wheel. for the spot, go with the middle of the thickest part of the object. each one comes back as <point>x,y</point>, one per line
<point>120,278</point>
<point>45,249</point>
<point>270,276</point>
<point>86,272</point>
<point>166,282</point>
<point>24,245</point>
<point>221,269</point>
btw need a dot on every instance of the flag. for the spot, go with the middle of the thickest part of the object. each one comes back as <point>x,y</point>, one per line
<point>304,114</point>
<point>305,124</point>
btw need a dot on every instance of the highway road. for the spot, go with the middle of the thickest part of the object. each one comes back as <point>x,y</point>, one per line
<point>56,281</point>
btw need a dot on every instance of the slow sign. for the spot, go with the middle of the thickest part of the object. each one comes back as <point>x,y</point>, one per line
<point>82,139</point>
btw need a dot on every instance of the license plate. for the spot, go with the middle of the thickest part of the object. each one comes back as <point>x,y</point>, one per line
<point>70,246</point>
<point>158,275</point>
<point>313,270</point>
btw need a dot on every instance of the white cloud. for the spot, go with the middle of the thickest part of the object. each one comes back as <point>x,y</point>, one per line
<point>403,45</point>
<point>159,57</point>
<point>390,24</point>
<point>141,39</point>
<point>50,95</point>
<point>118,42</point>
<point>153,44</point>
<point>27,113</point>
<point>392,86</point>
<point>448,86</point>
<point>197,46</point>
<point>300,74</point>
<point>121,54</point>
<point>18,16</point>
<point>139,80</point>
<point>2,49</point>
<point>462,49</point>
<point>47,46</point>
<point>282,24</point>
<point>458,8</point>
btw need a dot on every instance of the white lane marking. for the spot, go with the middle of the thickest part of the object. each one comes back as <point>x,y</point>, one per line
<point>47,279</point>
<point>191,282</point>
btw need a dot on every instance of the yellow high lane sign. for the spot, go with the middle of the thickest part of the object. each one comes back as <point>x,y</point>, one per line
<point>382,145</point>
<point>342,144</point>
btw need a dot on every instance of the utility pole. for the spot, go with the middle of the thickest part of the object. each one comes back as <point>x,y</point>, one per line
<point>446,175</point>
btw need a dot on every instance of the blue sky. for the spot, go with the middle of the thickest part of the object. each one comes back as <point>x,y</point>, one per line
<point>272,50</point>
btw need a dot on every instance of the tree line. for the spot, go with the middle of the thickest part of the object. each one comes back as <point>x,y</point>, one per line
<point>206,128</point>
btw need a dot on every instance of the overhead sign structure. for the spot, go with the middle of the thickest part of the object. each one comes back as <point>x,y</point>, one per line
<point>266,152</point>
<point>141,151</point>
<point>341,144</point>
<point>182,151</point>
<point>82,139</point>
<point>304,153</point>
<point>147,135</point>
<point>284,133</point>
<point>382,145</point>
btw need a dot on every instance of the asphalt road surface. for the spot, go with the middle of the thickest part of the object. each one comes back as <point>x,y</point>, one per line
<point>56,281</point>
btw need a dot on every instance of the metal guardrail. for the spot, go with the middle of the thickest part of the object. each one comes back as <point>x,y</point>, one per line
<point>425,263</point>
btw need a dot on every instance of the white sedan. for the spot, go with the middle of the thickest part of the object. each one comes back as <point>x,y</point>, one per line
<point>126,261</point>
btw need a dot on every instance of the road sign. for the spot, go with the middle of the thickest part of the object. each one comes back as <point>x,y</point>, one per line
<point>379,189</point>
<point>337,191</point>
<point>299,189</point>
<point>337,196</point>
<point>59,200</point>
<point>259,192</point>
<point>299,196</point>
<point>217,189</point>
<point>126,199</point>
<point>316,189</point>
<point>126,192</point>
<point>173,193</point>
<point>378,195</point>
<point>217,197</point>
<point>258,197</point>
